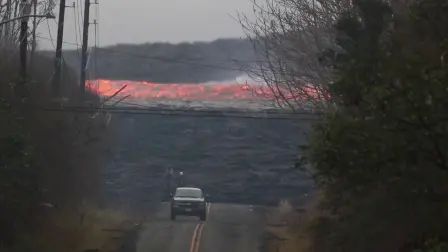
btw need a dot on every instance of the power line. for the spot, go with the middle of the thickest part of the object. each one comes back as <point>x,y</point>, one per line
<point>65,42</point>
<point>173,113</point>
<point>51,36</point>
<point>145,108</point>
<point>136,106</point>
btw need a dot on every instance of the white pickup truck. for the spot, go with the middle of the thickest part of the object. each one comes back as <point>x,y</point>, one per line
<point>188,201</point>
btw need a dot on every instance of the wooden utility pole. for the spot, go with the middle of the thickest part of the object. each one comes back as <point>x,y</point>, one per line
<point>34,44</point>
<point>56,85</point>
<point>85,40</point>
<point>23,38</point>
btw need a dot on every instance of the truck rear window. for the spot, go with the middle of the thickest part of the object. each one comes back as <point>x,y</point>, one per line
<point>189,193</point>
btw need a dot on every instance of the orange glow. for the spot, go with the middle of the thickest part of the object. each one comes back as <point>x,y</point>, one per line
<point>150,91</point>
<point>193,92</point>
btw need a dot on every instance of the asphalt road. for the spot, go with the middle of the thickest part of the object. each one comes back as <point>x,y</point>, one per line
<point>236,228</point>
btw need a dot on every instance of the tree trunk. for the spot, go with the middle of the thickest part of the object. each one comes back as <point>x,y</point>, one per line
<point>14,29</point>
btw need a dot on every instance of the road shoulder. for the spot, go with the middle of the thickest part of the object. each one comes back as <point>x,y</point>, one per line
<point>287,229</point>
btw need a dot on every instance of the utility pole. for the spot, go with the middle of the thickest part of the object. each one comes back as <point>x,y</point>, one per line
<point>26,9</point>
<point>8,16</point>
<point>85,39</point>
<point>34,44</point>
<point>56,85</point>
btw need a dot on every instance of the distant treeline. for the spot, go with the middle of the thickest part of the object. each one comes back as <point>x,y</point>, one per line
<point>164,62</point>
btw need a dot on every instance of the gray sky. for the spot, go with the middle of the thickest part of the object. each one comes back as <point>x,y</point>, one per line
<point>140,21</point>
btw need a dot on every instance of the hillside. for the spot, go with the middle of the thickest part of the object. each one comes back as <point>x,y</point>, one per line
<point>164,62</point>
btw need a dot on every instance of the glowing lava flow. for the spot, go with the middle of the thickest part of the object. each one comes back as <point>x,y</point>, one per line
<point>192,92</point>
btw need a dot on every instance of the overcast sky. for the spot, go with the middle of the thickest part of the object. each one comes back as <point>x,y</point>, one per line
<point>140,21</point>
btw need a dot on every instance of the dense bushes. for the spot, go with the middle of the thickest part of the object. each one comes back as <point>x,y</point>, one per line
<point>49,162</point>
<point>381,154</point>
<point>18,176</point>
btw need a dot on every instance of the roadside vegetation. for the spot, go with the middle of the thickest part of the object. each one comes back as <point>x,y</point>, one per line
<point>49,162</point>
<point>379,154</point>
<point>50,170</point>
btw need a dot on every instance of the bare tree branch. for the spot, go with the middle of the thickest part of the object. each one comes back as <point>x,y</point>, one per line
<point>289,36</point>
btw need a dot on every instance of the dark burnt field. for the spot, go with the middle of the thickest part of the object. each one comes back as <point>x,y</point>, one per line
<point>235,160</point>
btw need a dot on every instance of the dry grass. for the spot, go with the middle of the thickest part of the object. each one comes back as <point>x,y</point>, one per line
<point>65,167</point>
<point>289,228</point>
<point>69,231</point>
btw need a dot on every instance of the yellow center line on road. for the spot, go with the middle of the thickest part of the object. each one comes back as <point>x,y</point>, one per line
<point>195,240</point>
<point>197,234</point>
<point>198,237</point>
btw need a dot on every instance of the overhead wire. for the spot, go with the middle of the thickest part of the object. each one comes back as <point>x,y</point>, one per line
<point>64,42</point>
<point>49,34</point>
<point>136,106</point>
<point>132,106</point>
<point>184,113</point>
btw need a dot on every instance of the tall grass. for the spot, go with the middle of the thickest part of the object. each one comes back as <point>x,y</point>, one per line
<point>59,154</point>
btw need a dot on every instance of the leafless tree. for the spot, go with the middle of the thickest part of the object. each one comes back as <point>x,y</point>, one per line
<point>10,9</point>
<point>290,37</point>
